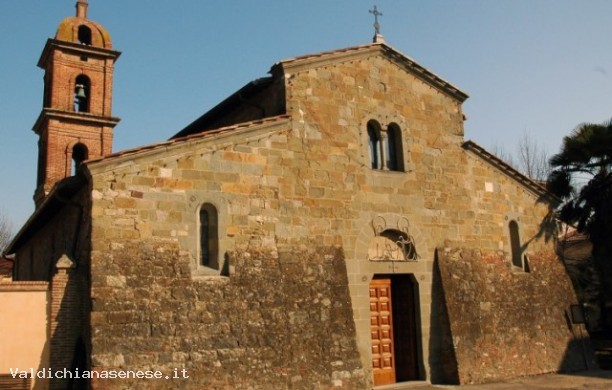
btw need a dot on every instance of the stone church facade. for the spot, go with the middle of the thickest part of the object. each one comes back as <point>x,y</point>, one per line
<point>326,226</point>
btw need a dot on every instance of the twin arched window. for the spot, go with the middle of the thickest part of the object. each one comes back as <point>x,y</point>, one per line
<point>385,146</point>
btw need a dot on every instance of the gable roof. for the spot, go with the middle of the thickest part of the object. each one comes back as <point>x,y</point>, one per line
<point>301,63</point>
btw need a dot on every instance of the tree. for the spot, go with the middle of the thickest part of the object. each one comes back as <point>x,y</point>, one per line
<point>6,232</point>
<point>582,179</point>
<point>531,158</point>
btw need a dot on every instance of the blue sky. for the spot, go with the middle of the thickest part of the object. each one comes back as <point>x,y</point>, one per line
<point>536,66</point>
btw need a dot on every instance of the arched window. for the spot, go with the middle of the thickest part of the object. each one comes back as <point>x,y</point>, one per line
<point>209,236</point>
<point>374,144</point>
<point>393,148</point>
<point>81,94</point>
<point>79,154</point>
<point>84,35</point>
<point>515,244</point>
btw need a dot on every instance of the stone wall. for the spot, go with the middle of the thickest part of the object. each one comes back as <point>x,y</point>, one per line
<point>282,320</point>
<point>507,323</point>
<point>306,181</point>
<point>447,195</point>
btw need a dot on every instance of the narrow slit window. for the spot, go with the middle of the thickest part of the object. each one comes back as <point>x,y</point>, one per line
<point>515,244</point>
<point>42,163</point>
<point>48,89</point>
<point>209,236</point>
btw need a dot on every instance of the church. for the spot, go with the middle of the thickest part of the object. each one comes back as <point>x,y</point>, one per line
<point>326,226</point>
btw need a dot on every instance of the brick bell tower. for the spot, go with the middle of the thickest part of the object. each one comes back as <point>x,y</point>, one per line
<point>75,123</point>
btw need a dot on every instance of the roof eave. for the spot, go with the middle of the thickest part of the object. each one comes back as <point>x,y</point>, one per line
<point>75,117</point>
<point>75,48</point>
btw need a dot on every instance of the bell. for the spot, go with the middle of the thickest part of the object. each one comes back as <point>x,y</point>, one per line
<point>80,91</point>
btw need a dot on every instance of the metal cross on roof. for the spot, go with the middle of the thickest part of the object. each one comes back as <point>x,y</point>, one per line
<point>376,24</point>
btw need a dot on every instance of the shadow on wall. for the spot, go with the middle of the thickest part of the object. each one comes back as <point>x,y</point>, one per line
<point>575,252</point>
<point>579,353</point>
<point>442,358</point>
<point>491,322</point>
<point>578,356</point>
<point>549,226</point>
<point>41,384</point>
<point>68,350</point>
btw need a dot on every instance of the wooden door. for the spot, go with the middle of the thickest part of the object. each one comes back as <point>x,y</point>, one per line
<point>381,320</point>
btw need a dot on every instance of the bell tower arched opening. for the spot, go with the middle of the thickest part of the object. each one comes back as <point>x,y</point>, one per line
<point>79,154</point>
<point>84,35</point>
<point>82,93</point>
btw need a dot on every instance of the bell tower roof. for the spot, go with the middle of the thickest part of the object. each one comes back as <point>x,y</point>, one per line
<point>79,29</point>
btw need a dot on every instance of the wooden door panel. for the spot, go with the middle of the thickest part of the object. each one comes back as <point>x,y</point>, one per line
<point>381,320</point>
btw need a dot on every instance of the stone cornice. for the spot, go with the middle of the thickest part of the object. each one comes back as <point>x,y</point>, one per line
<point>72,116</point>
